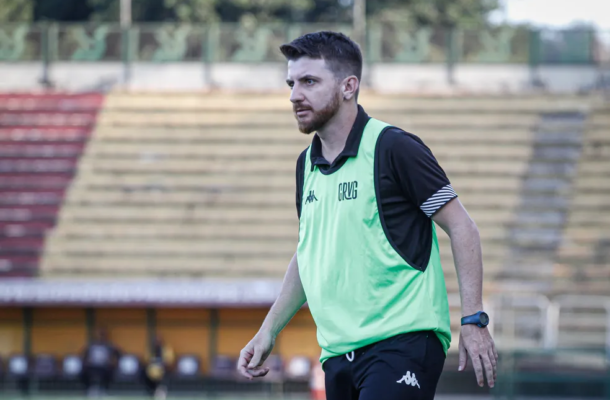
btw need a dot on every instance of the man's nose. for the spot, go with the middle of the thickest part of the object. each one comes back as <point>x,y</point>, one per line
<point>296,95</point>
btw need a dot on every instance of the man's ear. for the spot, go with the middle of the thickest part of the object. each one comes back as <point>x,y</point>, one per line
<point>350,87</point>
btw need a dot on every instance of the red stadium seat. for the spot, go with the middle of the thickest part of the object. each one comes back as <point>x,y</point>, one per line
<point>44,134</point>
<point>47,181</point>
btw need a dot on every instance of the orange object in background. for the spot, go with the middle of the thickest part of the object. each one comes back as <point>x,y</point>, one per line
<point>318,389</point>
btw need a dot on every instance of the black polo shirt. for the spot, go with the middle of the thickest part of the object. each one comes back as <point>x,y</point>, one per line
<point>411,186</point>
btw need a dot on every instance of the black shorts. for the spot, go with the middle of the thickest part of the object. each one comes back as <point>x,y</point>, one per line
<point>404,367</point>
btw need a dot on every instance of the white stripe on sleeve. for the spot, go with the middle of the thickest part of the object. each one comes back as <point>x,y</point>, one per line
<point>438,200</point>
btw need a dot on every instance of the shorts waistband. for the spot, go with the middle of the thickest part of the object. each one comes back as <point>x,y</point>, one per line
<point>352,354</point>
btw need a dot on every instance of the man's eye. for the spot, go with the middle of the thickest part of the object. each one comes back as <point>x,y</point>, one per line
<point>309,81</point>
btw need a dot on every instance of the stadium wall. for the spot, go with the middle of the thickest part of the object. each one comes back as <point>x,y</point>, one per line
<point>204,332</point>
<point>402,78</point>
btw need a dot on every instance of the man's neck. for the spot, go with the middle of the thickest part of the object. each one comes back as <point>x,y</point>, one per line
<point>334,134</point>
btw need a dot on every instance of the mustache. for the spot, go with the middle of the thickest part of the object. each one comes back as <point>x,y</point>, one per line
<point>299,107</point>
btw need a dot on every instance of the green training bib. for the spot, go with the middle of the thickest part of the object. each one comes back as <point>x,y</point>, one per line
<point>359,289</point>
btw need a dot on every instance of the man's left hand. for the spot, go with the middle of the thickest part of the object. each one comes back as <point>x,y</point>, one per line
<point>478,344</point>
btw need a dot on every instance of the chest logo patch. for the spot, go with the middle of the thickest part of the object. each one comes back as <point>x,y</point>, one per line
<point>348,191</point>
<point>311,198</point>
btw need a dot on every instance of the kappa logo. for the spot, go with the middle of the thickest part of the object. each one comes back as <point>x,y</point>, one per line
<point>311,198</point>
<point>409,379</point>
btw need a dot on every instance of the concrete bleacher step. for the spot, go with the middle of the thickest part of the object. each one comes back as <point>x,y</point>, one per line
<point>175,230</point>
<point>598,201</point>
<point>534,237</point>
<point>453,166</point>
<point>598,135</point>
<point>119,229</point>
<point>581,272</point>
<point>228,266</point>
<point>590,287</point>
<point>592,184</point>
<point>598,120</point>
<point>284,180</point>
<point>599,168</point>
<point>200,214</point>
<point>588,217</point>
<point>203,214</point>
<point>370,100</point>
<point>191,245</point>
<point>86,180</point>
<point>526,270</point>
<point>142,135</point>
<point>492,235</point>
<point>253,119</point>
<point>216,151</point>
<point>210,197</point>
<point>582,234</point>
<point>184,248</point>
<point>222,151</point>
<point>574,250</point>
<point>244,265</point>
<point>235,196</point>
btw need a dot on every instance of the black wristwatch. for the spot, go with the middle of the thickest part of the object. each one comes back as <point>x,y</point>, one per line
<point>480,319</point>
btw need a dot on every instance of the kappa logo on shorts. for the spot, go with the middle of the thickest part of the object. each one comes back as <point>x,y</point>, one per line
<point>409,379</point>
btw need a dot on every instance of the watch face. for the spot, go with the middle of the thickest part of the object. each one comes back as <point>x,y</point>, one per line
<point>484,318</point>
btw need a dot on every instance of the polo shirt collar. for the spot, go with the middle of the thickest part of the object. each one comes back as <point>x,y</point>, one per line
<point>351,144</point>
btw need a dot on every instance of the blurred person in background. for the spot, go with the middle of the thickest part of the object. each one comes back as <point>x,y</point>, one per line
<point>100,359</point>
<point>158,363</point>
<point>367,260</point>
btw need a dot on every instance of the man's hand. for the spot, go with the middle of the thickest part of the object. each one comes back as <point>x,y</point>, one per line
<point>477,343</point>
<point>252,356</point>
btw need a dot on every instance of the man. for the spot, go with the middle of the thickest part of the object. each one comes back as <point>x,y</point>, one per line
<point>367,260</point>
<point>158,361</point>
<point>100,358</point>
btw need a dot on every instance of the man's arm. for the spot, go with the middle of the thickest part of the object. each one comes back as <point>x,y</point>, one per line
<point>289,301</point>
<point>466,248</point>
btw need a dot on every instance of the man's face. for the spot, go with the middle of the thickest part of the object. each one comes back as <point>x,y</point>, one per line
<point>316,94</point>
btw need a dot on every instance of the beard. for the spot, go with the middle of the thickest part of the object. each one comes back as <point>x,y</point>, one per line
<point>320,117</point>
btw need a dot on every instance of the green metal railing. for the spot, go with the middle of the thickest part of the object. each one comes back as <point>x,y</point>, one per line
<point>554,373</point>
<point>242,43</point>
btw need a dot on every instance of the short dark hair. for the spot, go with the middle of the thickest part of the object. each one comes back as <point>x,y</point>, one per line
<point>342,54</point>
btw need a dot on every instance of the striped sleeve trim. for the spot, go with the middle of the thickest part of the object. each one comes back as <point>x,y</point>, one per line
<point>438,200</point>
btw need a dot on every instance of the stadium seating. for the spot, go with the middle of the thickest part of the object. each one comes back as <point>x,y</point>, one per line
<point>72,367</point>
<point>45,367</point>
<point>203,185</point>
<point>41,139</point>
<point>583,262</point>
<point>299,368</point>
<point>18,366</point>
<point>189,367</point>
<point>129,369</point>
<point>223,367</point>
